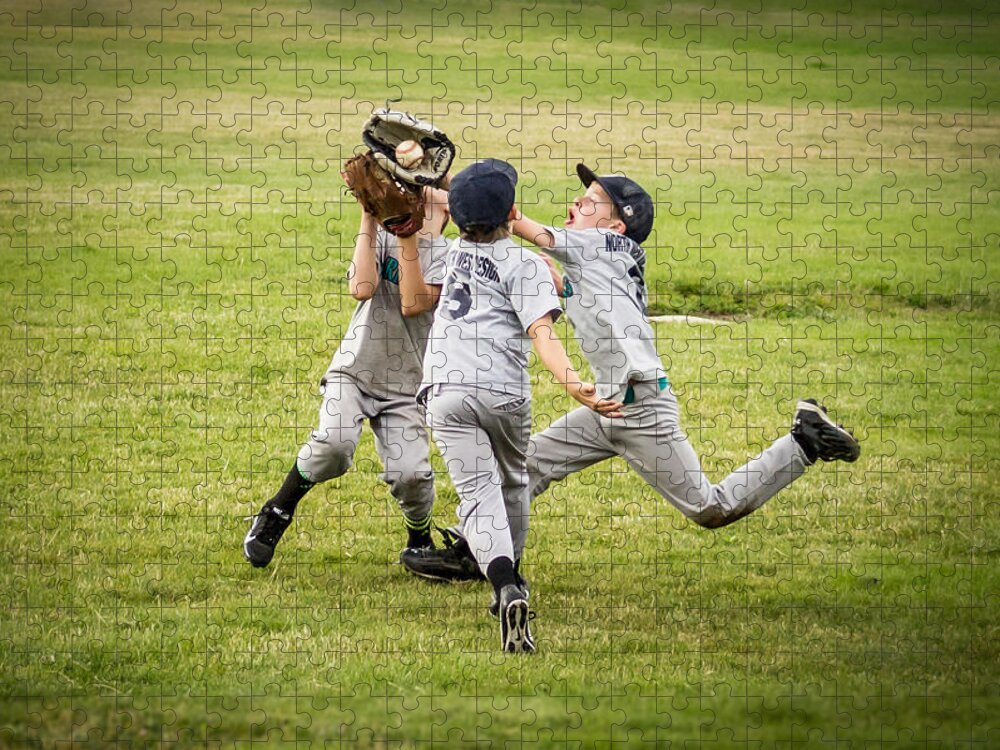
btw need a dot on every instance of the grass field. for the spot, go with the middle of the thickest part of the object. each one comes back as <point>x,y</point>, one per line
<point>175,236</point>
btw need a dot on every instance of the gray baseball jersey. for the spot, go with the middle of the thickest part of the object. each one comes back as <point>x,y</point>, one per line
<point>382,349</point>
<point>606,302</point>
<point>492,293</point>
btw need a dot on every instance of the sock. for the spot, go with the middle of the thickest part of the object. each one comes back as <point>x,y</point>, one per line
<point>807,449</point>
<point>418,533</point>
<point>500,573</point>
<point>293,489</point>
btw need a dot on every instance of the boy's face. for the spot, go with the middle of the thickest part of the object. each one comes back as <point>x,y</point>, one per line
<point>594,209</point>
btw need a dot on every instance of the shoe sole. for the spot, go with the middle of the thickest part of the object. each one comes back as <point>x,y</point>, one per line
<point>517,640</point>
<point>435,577</point>
<point>806,406</point>
<point>446,577</point>
<point>432,577</point>
<point>494,608</point>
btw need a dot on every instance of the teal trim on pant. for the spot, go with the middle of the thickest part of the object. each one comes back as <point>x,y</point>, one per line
<point>630,391</point>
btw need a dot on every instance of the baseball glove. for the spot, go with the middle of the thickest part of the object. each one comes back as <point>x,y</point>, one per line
<point>399,207</point>
<point>387,128</point>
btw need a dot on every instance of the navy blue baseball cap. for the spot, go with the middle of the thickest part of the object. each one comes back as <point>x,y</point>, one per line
<point>632,202</point>
<point>482,194</point>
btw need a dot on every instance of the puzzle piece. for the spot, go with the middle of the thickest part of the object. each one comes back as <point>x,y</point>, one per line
<point>199,322</point>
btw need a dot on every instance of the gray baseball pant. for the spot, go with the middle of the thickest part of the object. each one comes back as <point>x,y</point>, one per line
<point>400,440</point>
<point>650,439</point>
<point>483,437</point>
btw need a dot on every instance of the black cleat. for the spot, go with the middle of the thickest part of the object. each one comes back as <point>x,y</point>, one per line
<point>417,544</point>
<point>515,636</point>
<point>495,601</point>
<point>265,532</point>
<point>454,562</point>
<point>820,436</point>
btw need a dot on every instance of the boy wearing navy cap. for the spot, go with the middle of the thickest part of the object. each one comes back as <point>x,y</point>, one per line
<point>498,299</point>
<point>600,249</point>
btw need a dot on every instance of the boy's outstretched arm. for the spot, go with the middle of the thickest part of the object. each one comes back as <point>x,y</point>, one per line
<point>550,350</point>
<point>362,273</point>
<point>532,231</point>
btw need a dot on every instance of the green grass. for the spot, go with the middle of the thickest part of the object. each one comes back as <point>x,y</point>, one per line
<point>174,238</point>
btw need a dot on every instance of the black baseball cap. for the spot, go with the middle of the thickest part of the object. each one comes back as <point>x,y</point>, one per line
<point>482,194</point>
<point>632,202</point>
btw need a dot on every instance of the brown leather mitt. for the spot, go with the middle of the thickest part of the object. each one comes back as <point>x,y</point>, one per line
<point>398,206</point>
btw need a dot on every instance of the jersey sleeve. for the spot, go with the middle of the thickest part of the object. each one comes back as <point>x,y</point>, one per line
<point>574,245</point>
<point>532,293</point>
<point>432,260</point>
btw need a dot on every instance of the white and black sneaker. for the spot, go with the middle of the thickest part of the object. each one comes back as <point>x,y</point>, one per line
<point>820,436</point>
<point>494,608</point>
<point>265,532</point>
<point>515,635</point>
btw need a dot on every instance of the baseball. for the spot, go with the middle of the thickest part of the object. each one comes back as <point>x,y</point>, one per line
<point>409,154</point>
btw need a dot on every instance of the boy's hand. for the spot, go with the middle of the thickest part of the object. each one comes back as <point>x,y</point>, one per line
<point>586,394</point>
<point>557,277</point>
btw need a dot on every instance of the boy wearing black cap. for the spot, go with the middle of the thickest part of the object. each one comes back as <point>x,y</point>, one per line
<point>600,249</point>
<point>498,299</point>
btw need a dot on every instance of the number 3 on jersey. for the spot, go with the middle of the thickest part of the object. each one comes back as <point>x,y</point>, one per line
<point>459,300</point>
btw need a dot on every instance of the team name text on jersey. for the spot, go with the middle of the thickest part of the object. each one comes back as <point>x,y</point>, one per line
<point>478,264</point>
